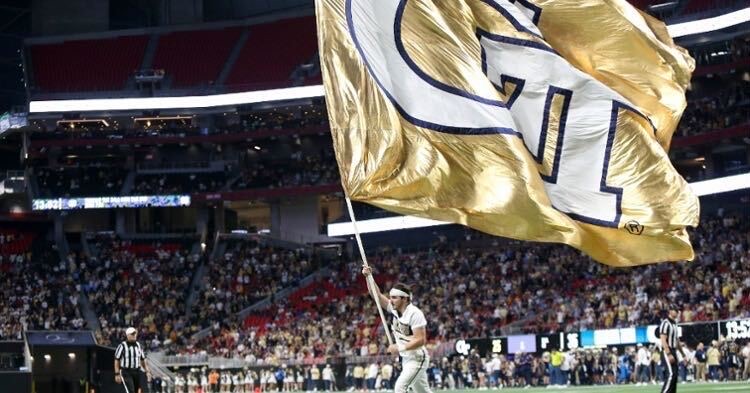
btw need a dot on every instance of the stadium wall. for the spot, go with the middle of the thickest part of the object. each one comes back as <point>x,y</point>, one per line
<point>53,17</point>
<point>296,219</point>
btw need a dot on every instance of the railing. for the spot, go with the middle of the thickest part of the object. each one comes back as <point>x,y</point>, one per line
<point>174,165</point>
<point>692,332</point>
<point>273,241</point>
<point>27,357</point>
<point>214,362</point>
<point>181,360</point>
<point>159,370</point>
<point>185,167</point>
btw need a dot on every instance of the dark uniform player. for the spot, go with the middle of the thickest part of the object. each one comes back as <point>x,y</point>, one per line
<point>129,359</point>
<point>670,344</point>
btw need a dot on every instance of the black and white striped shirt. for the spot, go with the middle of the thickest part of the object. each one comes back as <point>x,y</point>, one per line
<point>130,355</point>
<point>668,328</point>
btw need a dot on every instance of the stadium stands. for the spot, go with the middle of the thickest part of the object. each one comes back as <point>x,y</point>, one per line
<point>515,281</point>
<point>268,58</point>
<point>178,183</point>
<point>698,6</point>
<point>715,112</point>
<point>86,65</point>
<point>212,46</point>
<point>248,272</point>
<point>139,283</point>
<point>29,261</point>
<point>81,181</point>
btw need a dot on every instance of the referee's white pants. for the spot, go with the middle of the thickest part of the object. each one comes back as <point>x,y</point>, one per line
<point>414,375</point>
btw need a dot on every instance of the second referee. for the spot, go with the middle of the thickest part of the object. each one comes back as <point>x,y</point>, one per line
<point>670,343</point>
<point>129,359</point>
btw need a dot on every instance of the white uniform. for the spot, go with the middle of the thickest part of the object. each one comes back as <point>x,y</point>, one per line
<point>192,383</point>
<point>226,382</point>
<point>179,384</point>
<point>248,380</point>
<point>416,361</point>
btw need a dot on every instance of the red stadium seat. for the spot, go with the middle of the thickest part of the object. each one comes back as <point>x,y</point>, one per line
<point>273,51</point>
<point>194,58</point>
<point>87,65</point>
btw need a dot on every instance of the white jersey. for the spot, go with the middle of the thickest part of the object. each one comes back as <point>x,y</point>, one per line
<point>403,327</point>
<point>496,365</point>
<point>644,357</point>
<point>248,379</point>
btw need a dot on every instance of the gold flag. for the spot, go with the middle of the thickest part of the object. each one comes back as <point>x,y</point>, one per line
<point>544,120</point>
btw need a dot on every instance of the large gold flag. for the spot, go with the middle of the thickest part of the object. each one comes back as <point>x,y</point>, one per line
<point>544,120</point>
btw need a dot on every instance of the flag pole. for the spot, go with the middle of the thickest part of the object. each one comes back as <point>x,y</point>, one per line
<point>370,281</point>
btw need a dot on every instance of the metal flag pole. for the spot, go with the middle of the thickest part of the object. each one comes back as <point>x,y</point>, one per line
<point>369,279</point>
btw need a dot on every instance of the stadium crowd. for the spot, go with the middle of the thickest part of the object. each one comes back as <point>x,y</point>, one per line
<point>515,280</point>
<point>715,286</point>
<point>139,284</point>
<point>52,305</point>
<point>728,51</point>
<point>248,271</point>
<point>83,181</point>
<point>173,184</point>
<point>729,108</point>
<point>297,170</point>
<point>307,117</point>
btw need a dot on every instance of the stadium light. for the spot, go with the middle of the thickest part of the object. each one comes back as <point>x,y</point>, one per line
<point>251,97</point>
<point>709,24</point>
<point>701,188</point>
<point>722,184</point>
<point>183,102</point>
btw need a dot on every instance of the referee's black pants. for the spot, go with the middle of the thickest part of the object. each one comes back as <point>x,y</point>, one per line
<point>670,374</point>
<point>131,380</point>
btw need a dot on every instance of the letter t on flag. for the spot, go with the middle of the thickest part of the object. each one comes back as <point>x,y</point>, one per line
<point>542,120</point>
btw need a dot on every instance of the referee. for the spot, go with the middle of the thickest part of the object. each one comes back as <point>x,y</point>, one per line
<point>670,343</point>
<point>129,358</point>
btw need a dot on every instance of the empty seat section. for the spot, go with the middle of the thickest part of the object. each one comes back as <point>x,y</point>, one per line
<point>272,52</point>
<point>195,58</point>
<point>87,65</point>
<point>696,6</point>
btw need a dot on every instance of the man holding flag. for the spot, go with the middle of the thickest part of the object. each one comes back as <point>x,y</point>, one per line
<point>409,328</point>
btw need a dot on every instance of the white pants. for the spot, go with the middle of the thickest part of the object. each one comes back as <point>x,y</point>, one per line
<point>414,375</point>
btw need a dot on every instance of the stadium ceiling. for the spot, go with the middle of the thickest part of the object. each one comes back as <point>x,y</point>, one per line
<point>15,24</point>
<point>222,100</point>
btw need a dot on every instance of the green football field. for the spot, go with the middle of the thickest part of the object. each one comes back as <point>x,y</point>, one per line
<point>737,387</point>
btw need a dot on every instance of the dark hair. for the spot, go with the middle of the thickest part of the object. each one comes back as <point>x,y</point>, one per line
<point>403,287</point>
